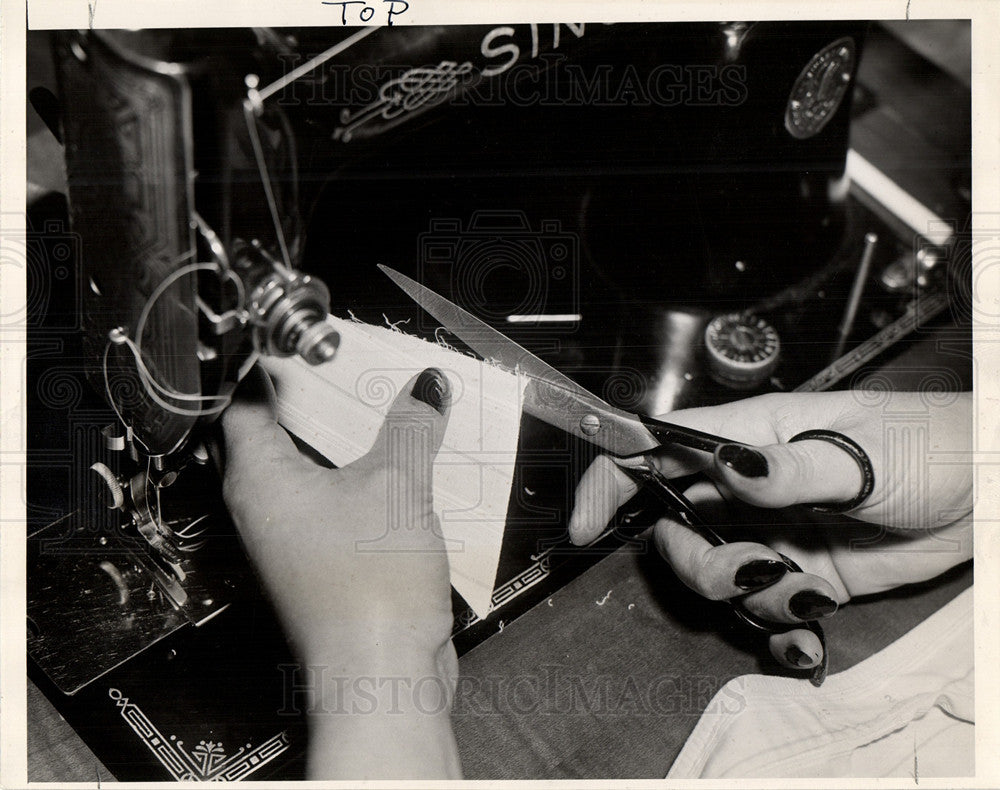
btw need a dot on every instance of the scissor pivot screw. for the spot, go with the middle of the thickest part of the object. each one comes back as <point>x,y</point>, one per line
<point>590,424</point>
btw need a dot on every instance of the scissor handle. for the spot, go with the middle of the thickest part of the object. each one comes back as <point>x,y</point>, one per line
<point>647,475</point>
<point>667,433</point>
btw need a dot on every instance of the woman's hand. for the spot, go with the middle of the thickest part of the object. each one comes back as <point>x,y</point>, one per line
<point>355,564</point>
<point>921,454</point>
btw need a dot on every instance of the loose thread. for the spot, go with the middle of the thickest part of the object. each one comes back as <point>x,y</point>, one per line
<point>395,326</point>
<point>439,339</point>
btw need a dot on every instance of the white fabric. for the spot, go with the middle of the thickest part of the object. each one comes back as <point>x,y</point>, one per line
<point>338,408</point>
<point>906,711</point>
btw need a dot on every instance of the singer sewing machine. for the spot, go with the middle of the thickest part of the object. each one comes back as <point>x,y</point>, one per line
<point>661,211</point>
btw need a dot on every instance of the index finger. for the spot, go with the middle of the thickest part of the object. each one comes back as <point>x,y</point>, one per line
<point>748,421</point>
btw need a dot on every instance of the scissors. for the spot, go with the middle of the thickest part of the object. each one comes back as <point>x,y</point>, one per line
<point>629,439</point>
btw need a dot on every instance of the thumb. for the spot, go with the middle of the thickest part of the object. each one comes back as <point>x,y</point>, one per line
<point>415,424</point>
<point>249,426</point>
<point>795,473</point>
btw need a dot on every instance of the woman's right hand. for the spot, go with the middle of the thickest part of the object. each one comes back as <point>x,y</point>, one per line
<point>921,453</point>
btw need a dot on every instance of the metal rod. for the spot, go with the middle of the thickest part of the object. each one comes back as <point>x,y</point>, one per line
<point>857,289</point>
<point>320,59</point>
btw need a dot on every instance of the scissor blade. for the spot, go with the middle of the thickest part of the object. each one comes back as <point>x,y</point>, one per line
<point>550,395</point>
<point>486,341</point>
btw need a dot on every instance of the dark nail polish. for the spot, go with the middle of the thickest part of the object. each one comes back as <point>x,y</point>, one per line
<point>743,460</point>
<point>808,605</point>
<point>797,657</point>
<point>759,573</point>
<point>432,388</point>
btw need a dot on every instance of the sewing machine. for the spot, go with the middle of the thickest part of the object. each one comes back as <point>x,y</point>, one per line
<point>660,211</point>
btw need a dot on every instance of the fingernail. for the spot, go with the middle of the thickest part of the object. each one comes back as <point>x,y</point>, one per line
<point>758,573</point>
<point>808,605</point>
<point>432,388</point>
<point>743,460</point>
<point>798,657</point>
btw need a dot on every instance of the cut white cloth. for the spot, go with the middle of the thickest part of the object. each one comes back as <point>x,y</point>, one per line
<point>907,711</point>
<point>338,408</point>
